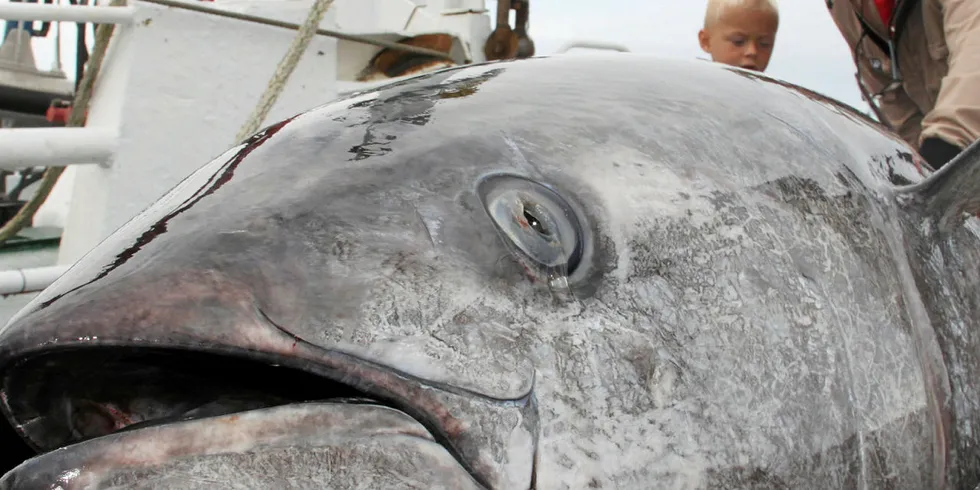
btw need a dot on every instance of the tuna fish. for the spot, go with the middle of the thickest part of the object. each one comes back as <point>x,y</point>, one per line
<point>574,272</point>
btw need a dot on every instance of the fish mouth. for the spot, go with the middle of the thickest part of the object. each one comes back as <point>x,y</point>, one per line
<point>80,407</point>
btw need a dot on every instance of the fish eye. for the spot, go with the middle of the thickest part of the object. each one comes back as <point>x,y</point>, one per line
<point>535,223</point>
<point>539,226</point>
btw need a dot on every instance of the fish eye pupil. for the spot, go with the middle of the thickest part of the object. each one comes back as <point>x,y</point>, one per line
<point>535,223</point>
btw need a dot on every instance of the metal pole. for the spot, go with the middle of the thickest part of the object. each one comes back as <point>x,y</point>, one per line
<point>289,25</point>
<point>66,13</point>
<point>57,44</point>
<point>55,147</point>
<point>19,281</point>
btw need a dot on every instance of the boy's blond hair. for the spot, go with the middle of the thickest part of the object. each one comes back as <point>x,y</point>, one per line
<point>717,8</point>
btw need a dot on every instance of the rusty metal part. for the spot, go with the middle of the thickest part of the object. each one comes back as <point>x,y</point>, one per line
<point>505,42</point>
<point>503,13</point>
<point>525,46</point>
<point>391,63</point>
<point>501,45</point>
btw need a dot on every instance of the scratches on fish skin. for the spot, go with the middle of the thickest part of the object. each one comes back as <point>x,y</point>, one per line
<point>519,157</point>
<point>366,363</point>
<point>425,225</point>
<point>435,335</point>
<point>354,463</point>
<point>791,128</point>
<point>577,314</point>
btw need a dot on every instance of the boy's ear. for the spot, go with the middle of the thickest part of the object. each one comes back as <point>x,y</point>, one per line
<point>704,40</point>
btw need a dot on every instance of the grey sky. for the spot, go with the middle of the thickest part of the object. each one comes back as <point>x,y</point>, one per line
<point>809,50</point>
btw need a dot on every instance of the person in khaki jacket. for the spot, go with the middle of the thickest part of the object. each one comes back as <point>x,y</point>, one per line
<point>918,66</point>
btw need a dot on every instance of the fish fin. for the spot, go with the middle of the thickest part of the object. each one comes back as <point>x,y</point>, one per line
<point>952,193</point>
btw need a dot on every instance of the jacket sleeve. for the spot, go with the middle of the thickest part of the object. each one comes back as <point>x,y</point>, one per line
<point>956,115</point>
<point>896,109</point>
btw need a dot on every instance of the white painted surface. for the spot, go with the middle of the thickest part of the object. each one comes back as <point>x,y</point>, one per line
<point>371,16</point>
<point>392,20</point>
<point>89,189</point>
<point>54,211</point>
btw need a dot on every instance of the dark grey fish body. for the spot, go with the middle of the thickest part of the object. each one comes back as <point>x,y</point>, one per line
<point>602,272</point>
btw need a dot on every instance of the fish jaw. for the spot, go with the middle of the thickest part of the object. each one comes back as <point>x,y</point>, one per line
<point>302,445</point>
<point>48,359</point>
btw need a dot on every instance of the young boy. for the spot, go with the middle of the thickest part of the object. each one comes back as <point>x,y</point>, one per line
<point>740,32</point>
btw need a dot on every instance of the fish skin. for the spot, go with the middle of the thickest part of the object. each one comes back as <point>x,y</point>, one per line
<point>755,305</point>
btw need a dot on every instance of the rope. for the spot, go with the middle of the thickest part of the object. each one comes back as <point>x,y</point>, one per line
<point>194,7</point>
<point>286,66</point>
<point>83,96</point>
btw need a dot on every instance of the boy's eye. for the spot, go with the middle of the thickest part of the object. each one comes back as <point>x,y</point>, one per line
<point>738,42</point>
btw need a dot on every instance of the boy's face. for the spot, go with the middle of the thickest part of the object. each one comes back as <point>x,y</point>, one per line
<point>741,37</point>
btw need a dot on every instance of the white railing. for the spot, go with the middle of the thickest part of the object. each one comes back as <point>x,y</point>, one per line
<point>55,147</point>
<point>19,281</point>
<point>58,147</point>
<point>122,15</point>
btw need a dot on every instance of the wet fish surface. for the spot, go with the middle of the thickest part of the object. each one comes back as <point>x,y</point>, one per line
<point>611,271</point>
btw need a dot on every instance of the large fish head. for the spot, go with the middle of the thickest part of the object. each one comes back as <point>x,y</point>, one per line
<point>594,272</point>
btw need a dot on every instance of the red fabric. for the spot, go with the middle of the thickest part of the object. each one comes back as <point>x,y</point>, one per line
<point>58,113</point>
<point>885,8</point>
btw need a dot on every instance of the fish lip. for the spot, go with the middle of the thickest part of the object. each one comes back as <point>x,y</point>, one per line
<point>437,429</point>
<point>494,440</point>
<point>82,464</point>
